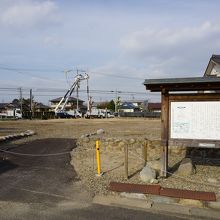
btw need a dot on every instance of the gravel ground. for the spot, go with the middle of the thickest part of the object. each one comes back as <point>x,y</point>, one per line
<point>84,162</point>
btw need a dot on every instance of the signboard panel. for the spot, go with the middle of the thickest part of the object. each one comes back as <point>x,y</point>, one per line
<point>197,120</point>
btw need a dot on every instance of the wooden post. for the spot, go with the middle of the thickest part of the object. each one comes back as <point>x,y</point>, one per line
<point>126,160</point>
<point>164,131</point>
<point>145,152</point>
<point>21,101</point>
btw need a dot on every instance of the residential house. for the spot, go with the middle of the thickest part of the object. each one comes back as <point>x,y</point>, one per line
<point>8,106</point>
<point>70,105</point>
<point>3,106</point>
<point>139,103</point>
<point>154,107</point>
<point>128,107</point>
<point>213,68</point>
<point>40,107</point>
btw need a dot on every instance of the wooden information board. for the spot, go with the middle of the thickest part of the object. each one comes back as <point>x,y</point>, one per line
<point>190,113</point>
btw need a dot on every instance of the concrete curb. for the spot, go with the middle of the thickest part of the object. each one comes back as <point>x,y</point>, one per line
<point>147,205</point>
<point>16,136</point>
<point>122,202</point>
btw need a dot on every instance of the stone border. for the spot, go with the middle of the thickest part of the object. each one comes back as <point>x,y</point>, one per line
<point>16,136</point>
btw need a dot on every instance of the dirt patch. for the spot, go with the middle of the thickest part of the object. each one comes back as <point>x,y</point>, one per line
<point>112,166</point>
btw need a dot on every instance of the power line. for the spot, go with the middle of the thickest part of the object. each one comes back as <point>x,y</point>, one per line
<point>52,95</point>
<point>117,76</point>
<point>29,69</point>
<point>82,91</point>
<point>56,92</point>
<point>92,90</point>
<point>24,71</point>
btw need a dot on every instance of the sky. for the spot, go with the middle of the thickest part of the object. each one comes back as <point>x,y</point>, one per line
<point>118,43</point>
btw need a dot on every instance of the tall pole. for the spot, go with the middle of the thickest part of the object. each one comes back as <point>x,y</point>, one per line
<point>77,93</point>
<point>90,105</point>
<point>77,98</point>
<point>116,99</point>
<point>31,104</point>
<point>88,97</point>
<point>21,101</point>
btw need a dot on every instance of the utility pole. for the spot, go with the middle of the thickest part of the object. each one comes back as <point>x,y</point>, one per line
<point>78,86</point>
<point>21,100</point>
<point>90,103</point>
<point>116,100</point>
<point>88,96</point>
<point>77,93</point>
<point>31,104</point>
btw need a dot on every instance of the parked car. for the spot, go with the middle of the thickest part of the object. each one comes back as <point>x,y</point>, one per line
<point>109,114</point>
<point>69,114</point>
<point>115,114</point>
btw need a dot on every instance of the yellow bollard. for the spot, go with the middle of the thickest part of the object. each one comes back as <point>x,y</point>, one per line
<point>97,144</point>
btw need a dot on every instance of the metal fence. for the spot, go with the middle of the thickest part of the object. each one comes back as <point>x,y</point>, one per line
<point>140,114</point>
<point>51,115</point>
<point>38,115</point>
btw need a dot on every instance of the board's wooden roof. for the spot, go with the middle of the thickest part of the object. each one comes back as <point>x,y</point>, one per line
<point>183,84</point>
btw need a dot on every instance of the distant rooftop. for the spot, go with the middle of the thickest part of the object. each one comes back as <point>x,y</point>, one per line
<point>154,105</point>
<point>9,105</point>
<point>135,100</point>
<point>41,106</point>
<point>71,99</point>
<point>128,105</point>
<point>3,105</point>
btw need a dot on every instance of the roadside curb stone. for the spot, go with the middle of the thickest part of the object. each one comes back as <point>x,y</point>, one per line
<point>163,199</point>
<point>213,214</point>
<point>191,202</point>
<point>214,205</point>
<point>122,202</point>
<point>156,205</point>
<point>133,195</point>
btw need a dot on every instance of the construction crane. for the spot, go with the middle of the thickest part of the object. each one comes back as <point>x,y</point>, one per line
<point>60,108</point>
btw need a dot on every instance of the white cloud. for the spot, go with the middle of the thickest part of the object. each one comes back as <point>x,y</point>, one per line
<point>156,42</point>
<point>52,41</point>
<point>173,51</point>
<point>26,14</point>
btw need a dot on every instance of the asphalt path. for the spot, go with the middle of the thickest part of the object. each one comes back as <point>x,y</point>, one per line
<point>38,182</point>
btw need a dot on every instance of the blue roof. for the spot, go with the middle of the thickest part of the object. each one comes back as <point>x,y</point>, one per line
<point>127,105</point>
